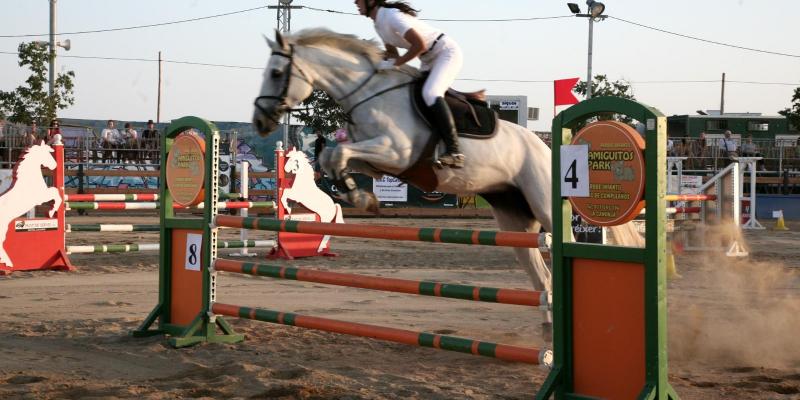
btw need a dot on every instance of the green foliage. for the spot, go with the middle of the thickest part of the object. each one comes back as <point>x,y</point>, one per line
<point>321,113</point>
<point>31,102</point>
<point>601,86</point>
<point>793,113</point>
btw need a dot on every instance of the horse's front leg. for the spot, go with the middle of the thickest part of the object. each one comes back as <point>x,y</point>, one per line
<point>285,201</point>
<point>335,162</point>
<point>55,195</point>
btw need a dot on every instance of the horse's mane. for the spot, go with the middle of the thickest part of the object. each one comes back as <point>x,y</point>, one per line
<point>329,38</point>
<point>21,161</point>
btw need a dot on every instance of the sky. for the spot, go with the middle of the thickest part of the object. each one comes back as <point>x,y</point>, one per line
<point>664,69</point>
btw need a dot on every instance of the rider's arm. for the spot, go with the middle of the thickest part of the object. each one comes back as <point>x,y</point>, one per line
<point>391,51</point>
<point>417,47</point>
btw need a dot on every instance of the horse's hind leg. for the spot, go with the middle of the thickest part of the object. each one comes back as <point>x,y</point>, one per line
<point>511,213</point>
<point>4,258</point>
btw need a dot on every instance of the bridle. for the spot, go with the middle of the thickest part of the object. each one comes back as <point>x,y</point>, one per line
<point>283,105</point>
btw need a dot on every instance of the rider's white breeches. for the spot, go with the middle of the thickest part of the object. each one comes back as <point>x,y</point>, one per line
<point>444,63</point>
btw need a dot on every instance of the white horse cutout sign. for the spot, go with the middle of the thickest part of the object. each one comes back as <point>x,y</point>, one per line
<point>304,190</point>
<point>24,243</point>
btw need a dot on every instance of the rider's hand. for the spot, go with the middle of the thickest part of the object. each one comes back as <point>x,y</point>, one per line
<point>386,64</point>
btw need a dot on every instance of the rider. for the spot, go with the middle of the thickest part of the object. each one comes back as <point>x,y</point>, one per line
<point>398,27</point>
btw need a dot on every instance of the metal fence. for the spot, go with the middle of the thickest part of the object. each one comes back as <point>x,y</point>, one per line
<point>778,155</point>
<point>81,146</point>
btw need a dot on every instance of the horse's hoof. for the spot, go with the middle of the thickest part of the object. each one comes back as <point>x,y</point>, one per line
<point>364,200</point>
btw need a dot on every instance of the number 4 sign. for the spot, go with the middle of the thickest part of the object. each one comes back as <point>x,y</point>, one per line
<point>575,170</point>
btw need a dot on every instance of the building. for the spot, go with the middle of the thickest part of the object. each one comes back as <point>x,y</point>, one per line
<point>740,124</point>
<point>513,109</point>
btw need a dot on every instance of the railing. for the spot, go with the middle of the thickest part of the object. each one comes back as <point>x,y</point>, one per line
<point>778,155</point>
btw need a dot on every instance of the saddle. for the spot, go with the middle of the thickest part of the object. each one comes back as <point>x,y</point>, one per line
<point>473,117</point>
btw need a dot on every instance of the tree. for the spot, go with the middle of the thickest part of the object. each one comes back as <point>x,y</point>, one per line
<point>603,87</point>
<point>31,102</point>
<point>793,113</point>
<point>321,113</point>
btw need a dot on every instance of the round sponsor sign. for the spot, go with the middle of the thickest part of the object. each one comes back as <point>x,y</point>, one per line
<point>616,173</point>
<point>186,169</point>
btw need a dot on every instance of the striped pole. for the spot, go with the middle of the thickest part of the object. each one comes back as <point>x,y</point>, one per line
<point>443,342</point>
<point>111,206</point>
<point>153,206</point>
<point>111,197</point>
<point>229,205</point>
<point>684,210</point>
<point>112,248</point>
<point>678,210</point>
<point>436,235</point>
<point>127,248</point>
<point>690,197</point>
<point>131,197</point>
<point>113,228</point>
<point>464,292</point>
<point>245,244</point>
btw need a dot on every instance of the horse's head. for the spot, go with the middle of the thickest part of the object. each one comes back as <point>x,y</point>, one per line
<point>285,84</point>
<point>295,161</point>
<point>42,154</point>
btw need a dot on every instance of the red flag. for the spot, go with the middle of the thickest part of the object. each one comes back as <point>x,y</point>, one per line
<point>562,90</point>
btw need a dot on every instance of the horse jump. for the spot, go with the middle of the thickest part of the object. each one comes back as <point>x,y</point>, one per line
<point>718,205</point>
<point>604,361</point>
<point>34,243</point>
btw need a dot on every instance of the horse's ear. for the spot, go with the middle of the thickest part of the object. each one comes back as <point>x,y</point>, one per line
<point>270,43</point>
<point>284,45</point>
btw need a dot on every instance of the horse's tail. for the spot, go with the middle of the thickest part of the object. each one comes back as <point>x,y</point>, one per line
<point>338,218</point>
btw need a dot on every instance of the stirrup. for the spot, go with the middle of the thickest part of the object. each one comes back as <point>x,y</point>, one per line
<point>452,160</point>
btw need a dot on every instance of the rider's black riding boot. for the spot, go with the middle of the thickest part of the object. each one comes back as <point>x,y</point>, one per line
<point>446,128</point>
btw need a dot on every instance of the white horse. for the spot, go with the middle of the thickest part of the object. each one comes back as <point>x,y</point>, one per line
<point>511,170</point>
<point>27,190</point>
<point>305,191</point>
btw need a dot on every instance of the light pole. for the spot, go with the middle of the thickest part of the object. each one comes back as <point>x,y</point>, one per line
<point>595,12</point>
<point>53,44</point>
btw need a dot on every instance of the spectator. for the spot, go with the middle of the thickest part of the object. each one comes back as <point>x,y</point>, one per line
<point>670,147</point>
<point>749,148</point>
<point>112,142</point>
<point>55,129</point>
<point>150,141</point>
<point>3,149</point>
<point>32,136</point>
<point>319,145</point>
<point>684,150</point>
<point>797,147</point>
<point>728,146</point>
<point>131,143</point>
<point>698,152</point>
